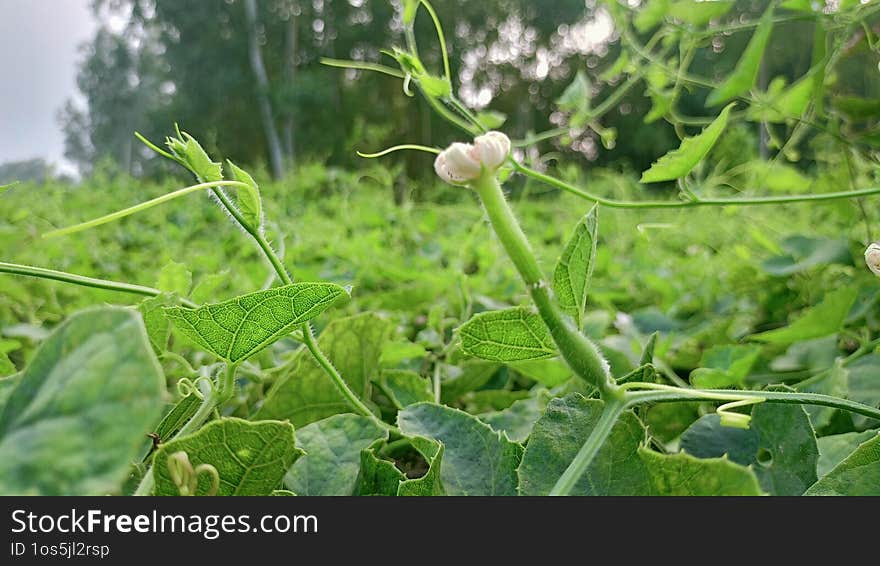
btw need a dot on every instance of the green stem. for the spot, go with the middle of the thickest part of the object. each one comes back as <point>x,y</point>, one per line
<point>308,336</point>
<point>144,206</point>
<point>590,448</point>
<point>577,350</point>
<point>42,273</point>
<point>676,394</point>
<point>442,40</point>
<point>753,201</point>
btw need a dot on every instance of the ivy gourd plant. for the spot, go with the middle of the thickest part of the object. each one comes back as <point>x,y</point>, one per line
<point>329,413</point>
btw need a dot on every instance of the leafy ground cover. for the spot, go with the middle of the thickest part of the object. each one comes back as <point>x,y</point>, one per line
<point>314,337</point>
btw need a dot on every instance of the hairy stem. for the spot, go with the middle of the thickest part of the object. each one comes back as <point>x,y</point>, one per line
<point>43,273</point>
<point>308,336</point>
<point>588,451</point>
<point>577,350</point>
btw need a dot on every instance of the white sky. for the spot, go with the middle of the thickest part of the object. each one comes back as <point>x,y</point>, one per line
<point>39,42</point>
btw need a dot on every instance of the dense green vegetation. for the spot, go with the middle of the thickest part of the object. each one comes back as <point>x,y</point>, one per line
<point>358,332</point>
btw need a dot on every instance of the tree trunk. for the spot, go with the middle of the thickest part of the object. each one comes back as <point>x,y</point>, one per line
<point>290,79</point>
<point>276,159</point>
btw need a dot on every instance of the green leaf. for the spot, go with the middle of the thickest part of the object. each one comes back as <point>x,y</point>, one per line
<point>706,438</point>
<point>723,366</point>
<point>549,372</point>
<point>396,352</point>
<point>661,102</point>
<point>491,119</point>
<point>6,365</point>
<point>651,15</point>
<point>679,162</point>
<point>248,201</point>
<point>576,96</point>
<point>508,335</point>
<point>175,278</point>
<point>558,436</point>
<point>798,5</point>
<point>469,376</point>
<point>859,474</point>
<point>377,476</point>
<point>207,286</point>
<point>835,448</point>
<point>7,386</point>
<point>621,65</point>
<point>155,321</point>
<point>856,108</point>
<point>863,386</point>
<point>699,12</point>
<point>781,105</point>
<point>405,387</point>
<point>332,454</point>
<point>821,320</point>
<point>305,394</point>
<point>836,384</point>
<point>803,253</point>
<point>684,475</point>
<point>518,420</point>
<point>195,158</point>
<point>251,458</point>
<point>435,87</point>
<point>780,446</point>
<point>746,72</point>
<point>236,329</point>
<point>82,408</point>
<point>431,483</point>
<point>476,459</point>
<point>571,278</point>
<point>410,7</point>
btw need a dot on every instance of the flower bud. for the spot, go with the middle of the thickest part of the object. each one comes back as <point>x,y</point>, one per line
<point>872,258</point>
<point>493,148</point>
<point>458,164</point>
<point>463,162</point>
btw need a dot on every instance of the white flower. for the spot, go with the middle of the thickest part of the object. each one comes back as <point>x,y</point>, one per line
<point>463,162</point>
<point>872,258</point>
<point>458,163</point>
<point>493,148</point>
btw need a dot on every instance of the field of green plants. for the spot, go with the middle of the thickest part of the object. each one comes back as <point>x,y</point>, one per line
<point>519,325</point>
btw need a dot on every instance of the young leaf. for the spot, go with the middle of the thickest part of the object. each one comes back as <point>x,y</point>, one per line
<point>571,278</point>
<point>558,436</point>
<point>651,15</point>
<point>782,105</point>
<point>507,335</point>
<point>157,325</point>
<point>248,202</point>
<point>576,99</point>
<point>332,455</point>
<point>304,394</point>
<point>251,458</point>
<point>476,460</point>
<point>195,158</point>
<point>518,420</point>
<point>836,448</point>
<point>491,119</point>
<point>82,407</point>
<point>821,320</point>
<point>238,328</point>
<point>684,475</point>
<point>175,278</point>
<point>405,387</point>
<point>699,12</point>
<point>859,474</point>
<point>746,72</point>
<point>679,162</point>
<point>723,366</point>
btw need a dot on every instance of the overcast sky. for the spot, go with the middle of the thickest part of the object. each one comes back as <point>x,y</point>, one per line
<point>39,42</point>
